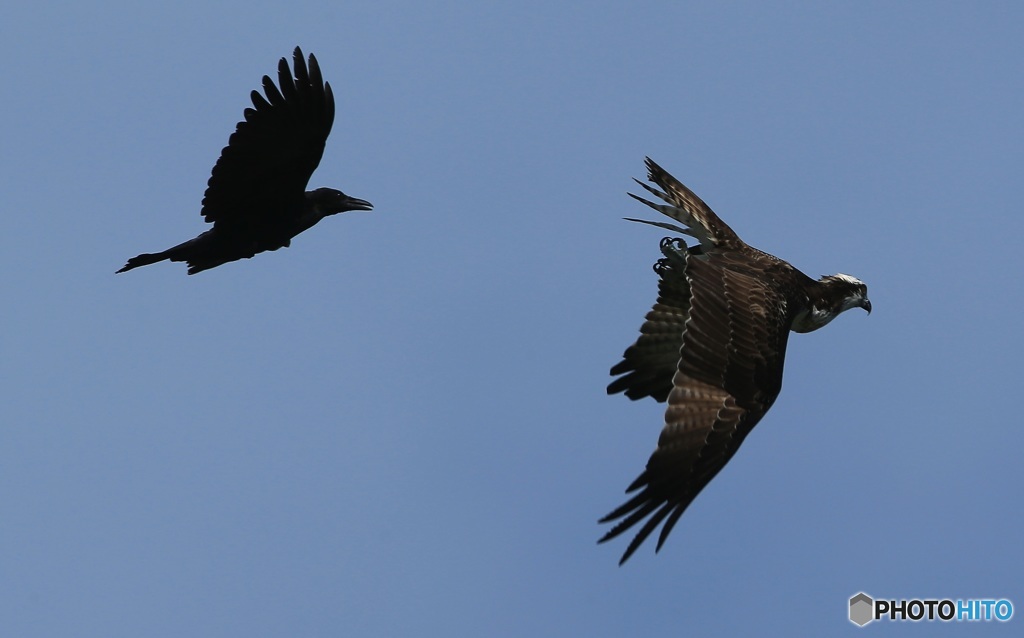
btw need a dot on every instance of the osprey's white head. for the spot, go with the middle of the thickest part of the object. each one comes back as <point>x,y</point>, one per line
<point>834,295</point>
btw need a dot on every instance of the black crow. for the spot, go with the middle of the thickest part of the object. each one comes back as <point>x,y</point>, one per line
<point>256,197</point>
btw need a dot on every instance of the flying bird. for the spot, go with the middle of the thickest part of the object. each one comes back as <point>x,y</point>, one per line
<point>256,198</point>
<point>712,347</point>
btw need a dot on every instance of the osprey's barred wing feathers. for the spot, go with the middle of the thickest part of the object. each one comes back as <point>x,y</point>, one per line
<point>729,373</point>
<point>647,366</point>
<point>684,206</point>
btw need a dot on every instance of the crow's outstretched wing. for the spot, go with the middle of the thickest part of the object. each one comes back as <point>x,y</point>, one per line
<point>261,175</point>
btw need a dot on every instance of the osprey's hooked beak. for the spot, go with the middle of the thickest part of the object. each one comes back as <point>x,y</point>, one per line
<point>866,305</point>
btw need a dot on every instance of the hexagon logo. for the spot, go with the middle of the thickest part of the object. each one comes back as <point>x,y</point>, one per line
<point>862,609</point>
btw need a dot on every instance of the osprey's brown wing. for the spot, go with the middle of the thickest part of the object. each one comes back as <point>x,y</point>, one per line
<point>647,366</point>
<point>685,207</point>
<point>729,373</point>
<point>261,175</point>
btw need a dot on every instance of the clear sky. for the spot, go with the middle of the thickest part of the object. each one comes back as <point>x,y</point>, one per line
<point>399,426</point>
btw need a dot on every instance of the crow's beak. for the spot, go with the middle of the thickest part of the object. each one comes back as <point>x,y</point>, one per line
<point>355,203</point>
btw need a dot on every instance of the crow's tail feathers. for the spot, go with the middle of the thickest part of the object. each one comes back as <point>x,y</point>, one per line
<point>144,259</point>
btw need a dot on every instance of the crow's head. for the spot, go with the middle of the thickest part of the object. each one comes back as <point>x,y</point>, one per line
<point>328,201</point>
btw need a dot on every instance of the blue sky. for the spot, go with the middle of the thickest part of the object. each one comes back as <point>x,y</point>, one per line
<point>398,426</point>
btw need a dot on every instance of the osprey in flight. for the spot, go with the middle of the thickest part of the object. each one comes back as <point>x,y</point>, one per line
<point>256,197</point>
<point>712,347</point>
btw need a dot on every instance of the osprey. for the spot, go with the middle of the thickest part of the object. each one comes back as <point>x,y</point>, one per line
<point>712,347</point>
<point>256,197</point>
